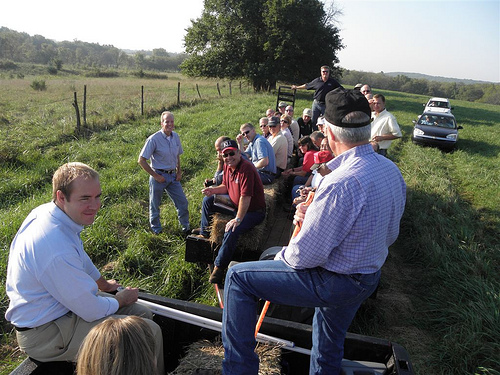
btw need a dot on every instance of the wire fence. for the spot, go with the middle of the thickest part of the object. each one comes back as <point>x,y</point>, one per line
<point>68,106</point>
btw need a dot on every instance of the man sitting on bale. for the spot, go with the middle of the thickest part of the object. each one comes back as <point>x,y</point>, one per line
<point>242,183</point>
<point>259,151</point>
<point>334,263</point>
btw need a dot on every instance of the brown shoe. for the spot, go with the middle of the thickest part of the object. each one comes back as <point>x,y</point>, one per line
<point>217,275</point>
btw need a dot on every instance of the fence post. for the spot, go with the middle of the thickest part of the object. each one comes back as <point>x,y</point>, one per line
<point>218,89</point>
<point>240,87</point>
<point>178,93</point>
<point>198,89</point>
<point>230,90</point>
<point>142,100</point>
<point>84,105</point>
<point>77,110</point>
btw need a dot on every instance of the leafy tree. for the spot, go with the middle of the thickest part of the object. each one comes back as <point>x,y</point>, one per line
<point>139,60</point>
<point>262,40</point>
<point>160,52</point>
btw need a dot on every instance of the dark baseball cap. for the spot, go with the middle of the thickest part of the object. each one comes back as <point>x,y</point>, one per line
<point>229,145</point>
<point>340,102</point>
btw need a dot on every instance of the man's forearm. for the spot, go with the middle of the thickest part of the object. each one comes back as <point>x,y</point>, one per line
<point>243,205</point>
<point>262,163</point>
<point>144,165</point>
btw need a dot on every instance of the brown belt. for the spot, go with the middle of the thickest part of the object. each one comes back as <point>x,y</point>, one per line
<point>22,329</point>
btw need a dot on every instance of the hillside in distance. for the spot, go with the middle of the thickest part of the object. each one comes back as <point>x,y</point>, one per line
<point>435,78</point>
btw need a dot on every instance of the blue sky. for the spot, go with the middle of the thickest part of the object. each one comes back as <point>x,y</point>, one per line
<point>450,38</point>
<point>459,39</point>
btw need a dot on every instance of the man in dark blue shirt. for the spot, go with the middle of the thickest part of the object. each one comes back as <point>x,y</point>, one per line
<point>322,86</point>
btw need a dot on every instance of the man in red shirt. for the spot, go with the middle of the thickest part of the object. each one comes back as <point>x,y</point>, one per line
<point>242,183</point>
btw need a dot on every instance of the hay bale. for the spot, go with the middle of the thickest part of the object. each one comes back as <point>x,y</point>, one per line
<point>206,357</point>
<point>251,240</point>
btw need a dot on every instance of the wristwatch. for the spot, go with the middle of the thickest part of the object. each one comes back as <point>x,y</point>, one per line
<point>238,220</point>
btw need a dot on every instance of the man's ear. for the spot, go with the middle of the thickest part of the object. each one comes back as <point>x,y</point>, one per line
<point>60,197</point>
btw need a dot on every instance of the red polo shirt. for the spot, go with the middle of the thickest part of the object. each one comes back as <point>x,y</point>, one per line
<point>245,181</point>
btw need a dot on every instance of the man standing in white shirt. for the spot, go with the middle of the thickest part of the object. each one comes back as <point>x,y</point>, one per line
<point>52,284</point>
<point>385,128</point>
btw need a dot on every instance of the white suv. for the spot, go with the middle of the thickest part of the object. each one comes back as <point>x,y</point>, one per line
<point>440,105</point>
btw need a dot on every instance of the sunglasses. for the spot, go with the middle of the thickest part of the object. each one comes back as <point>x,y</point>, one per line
<point>262,126</point>
<point>245,132</point>
<point>228,154</point>
<point>286,122</point>
<point>273,126</point>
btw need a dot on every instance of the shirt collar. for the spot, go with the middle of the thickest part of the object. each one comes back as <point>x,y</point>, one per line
<point>61,216</point>
<point>346,156</point>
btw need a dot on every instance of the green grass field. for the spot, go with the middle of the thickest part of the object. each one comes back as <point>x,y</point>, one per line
<point>439,294</point>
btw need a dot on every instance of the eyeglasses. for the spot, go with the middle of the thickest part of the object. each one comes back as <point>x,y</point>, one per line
<point>366,91</point>
<point>245,132</point>
<point>325,71</point>
<point>289,110</point>
<point>262,126</point>
<point>228,154</point>
<point>286,122</point>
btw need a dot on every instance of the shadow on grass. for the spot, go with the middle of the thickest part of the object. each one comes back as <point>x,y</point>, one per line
<point>479,148</point>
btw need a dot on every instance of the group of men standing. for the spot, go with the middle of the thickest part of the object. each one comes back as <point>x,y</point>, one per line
<point>57,294</point>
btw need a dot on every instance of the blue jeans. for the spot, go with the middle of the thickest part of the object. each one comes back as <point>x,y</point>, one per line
<point>266,178</point>
<point>176,194</point>
<point>228,247</point>
<point>336,298</point>
<point>318,109</point>
<point>301,180</point>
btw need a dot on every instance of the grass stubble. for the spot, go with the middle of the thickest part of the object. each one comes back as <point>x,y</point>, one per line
<point>439,293</point>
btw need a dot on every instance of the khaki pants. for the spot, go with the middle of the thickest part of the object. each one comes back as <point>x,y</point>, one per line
<point>60,339</point>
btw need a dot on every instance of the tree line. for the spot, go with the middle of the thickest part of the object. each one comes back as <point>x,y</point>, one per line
<point>20,47</point>
<point>239,40</point>
<point>477,92</point>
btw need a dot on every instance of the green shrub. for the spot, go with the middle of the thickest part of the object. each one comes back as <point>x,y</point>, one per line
<point>38,85</point>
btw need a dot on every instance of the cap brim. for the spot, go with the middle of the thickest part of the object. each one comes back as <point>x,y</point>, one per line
<point>229,148</point>
<point>315,166</point>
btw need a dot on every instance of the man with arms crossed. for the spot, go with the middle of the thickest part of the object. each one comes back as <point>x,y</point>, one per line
<point>334,263</point>
<point>51,282</point>
<point>164,149</point>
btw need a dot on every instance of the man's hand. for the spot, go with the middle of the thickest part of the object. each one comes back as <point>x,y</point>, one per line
<point>127,296</point>
<point>159,178</point>
<point>107,285</point>
<point>232,224</point>
<point>300,213</point>
<point>208,191</point>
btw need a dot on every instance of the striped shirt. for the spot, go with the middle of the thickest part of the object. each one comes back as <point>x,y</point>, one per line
<point>354,216</point>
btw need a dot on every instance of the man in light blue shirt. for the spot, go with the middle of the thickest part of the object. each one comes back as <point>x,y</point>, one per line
<point>164,150</point>
<point>334,263</point>
<point>52,284</point>
<point>259,152</point>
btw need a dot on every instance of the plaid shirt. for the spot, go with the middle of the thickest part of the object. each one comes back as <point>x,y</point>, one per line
<point>354,216</point>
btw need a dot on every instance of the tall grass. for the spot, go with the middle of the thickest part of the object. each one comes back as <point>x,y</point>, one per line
<point>444,265</point>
